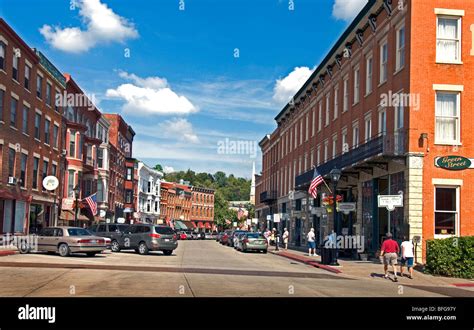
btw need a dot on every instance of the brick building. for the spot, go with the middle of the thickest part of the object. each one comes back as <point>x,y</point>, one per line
<point>386,105</point>
<point>30,134</point>
<point>202,209</point>
<point>175,203</point>
<point>121,139</point>
<point>81,144</point>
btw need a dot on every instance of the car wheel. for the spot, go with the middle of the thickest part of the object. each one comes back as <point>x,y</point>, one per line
<point>167,252</point>
<point>64,250</point>
<point>142,248</point>
<point>264,251</point>
<point>91,254</point>
<point>24,248</point>
<point>115,246</point>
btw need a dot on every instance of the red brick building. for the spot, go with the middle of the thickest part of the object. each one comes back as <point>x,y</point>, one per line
<point>121,139</point>
<point>80,118</point>
<point>202,209</point>
<point>30,134</point>
<point>386,105</point>
<point>131,188</point>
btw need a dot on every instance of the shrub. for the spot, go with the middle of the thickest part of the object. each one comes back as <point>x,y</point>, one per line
<point>451,257</point>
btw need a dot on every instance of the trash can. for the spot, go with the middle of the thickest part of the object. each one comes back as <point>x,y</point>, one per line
<point>326,255</point>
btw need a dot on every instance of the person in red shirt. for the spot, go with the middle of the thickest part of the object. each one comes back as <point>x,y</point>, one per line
<point>389,252</point>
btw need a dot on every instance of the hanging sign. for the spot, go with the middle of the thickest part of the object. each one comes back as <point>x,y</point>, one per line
<point>390,201</point>
<point>346,208</point>
<point>453,163</point>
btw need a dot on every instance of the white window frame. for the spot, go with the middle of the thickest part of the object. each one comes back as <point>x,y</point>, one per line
<point>318,155</point>
<point>457,212</point>
<point>328,103</point>
<point>383,62</point>
<point>368,128</point>
<point>356,85</point>
<point>458,117</point>
<point>336,101</point>
<point>355,137</point>
<point>369,74</point>
<point>459,40</point>
<point>313,120</point>
<point>320,115</point>
<point>382,128</point>
<point>400,49</point>
<point>334,146</point>
<point>306,125</point>
<point>326,150</point>
<point>345,102</point>
<point>344,140</point>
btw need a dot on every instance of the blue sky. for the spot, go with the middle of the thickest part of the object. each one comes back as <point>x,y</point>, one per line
<point>192,81</point>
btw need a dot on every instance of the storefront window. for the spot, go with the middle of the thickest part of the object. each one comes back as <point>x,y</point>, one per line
<point>446,210</point>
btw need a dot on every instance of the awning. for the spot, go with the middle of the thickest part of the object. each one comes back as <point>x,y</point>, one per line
<point>189,224</point>
<point>179,225</point>
<point>69,216</point>
<point>207,225</point>
<point>200,225</point>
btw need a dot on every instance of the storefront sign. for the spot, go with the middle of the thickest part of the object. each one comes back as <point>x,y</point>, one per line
<point>255,221</point>
<point>276,217</point>
<point>453,163</point>
<point>269,217</point>
<point>390,201</point>
<point>346,208</point>
<point>318,211</point>
<point>50,182</point>
<point>249,222</point>
<point>68,203</point>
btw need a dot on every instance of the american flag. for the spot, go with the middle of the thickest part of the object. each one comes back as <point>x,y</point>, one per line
<point>240,213</point>
<point>92,202</point>
<point>317,180</point>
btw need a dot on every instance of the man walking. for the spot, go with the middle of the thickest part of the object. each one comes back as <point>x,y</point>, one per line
<point>389,252</point>
<point>407,257</point>
<point>311,243</point>
<point>286,235</point>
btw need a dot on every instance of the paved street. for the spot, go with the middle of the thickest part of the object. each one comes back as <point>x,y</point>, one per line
<point>196,268</point>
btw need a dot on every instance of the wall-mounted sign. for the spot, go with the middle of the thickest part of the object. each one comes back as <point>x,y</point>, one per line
<point>67,204</point>
<point>50,182</point>
<point>390,201</point>
<point>453,163</point>
<point>255,221</point>
<point>318,211</point>
<point>346,208</point>
<point>269,217</point>
<point>276,217</point>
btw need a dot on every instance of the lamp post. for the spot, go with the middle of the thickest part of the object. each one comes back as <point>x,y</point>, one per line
<point>77,190</point>
<point>335,176</point>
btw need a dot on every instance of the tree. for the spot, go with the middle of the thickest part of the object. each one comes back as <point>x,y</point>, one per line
<point>158,167</point>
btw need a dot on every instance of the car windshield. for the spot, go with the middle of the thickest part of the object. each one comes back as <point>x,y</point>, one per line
<point>254,235</point>
<point>164,230</point>
<point>78,232</point>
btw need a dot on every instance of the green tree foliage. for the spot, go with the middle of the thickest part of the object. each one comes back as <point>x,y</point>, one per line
<point>158,167</point>
<point>227,188</point>
<point>451,257</point>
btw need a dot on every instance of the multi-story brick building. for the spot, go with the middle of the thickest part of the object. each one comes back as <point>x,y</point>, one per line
<point>202,209</point>
<point>131,190</point>
<point>347,115</point>
<point>82,173</point>
<point>30,134</point>
<point>175,203</point>
<point>121,140</point>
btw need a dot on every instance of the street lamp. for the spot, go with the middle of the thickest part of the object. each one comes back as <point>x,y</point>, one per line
<point>335,175</point>
<point>76,190</point>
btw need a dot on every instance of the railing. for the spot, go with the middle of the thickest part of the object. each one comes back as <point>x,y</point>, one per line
<point>268,196</point>
<point>386,144</point>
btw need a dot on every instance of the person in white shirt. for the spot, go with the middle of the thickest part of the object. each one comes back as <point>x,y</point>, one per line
<point>407,257</point>
<point>311,237</point>
<point>286,235</point>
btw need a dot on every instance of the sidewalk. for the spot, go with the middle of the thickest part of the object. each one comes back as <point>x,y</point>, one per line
<point>370,269</point>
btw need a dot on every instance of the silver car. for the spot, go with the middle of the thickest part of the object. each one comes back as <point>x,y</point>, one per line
<point>66,240</point>
<point>146,237</point>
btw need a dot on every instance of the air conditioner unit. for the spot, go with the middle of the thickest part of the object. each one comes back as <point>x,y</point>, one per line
<point>12,180</point>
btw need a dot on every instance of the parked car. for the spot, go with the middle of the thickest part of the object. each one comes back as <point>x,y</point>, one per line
<point>147,237</point>
<point>66,240</point>
<point>225,236</point>
<point>181,235</point>
<point>110,231</point>
<point>252,242</point>
<point>218,236</point>
<point>237,241</point>
<point>231,239</point>
<point>212,235</point>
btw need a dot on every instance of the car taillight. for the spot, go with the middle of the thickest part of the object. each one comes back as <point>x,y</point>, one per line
<point>174,236</point>
<point>246,240</point>
<point>84,241</point>
<point>154,235</point>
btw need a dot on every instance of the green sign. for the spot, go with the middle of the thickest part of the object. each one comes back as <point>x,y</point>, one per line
<point>453,163</point>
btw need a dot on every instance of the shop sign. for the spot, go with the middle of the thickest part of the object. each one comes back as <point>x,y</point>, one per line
<point>346,208</point>
<point>453,163</point>
<point>269,217</point>
<point>318,211</point>
<point>390,201</point>
<point>50,182</point>
<point>276,217</point>
<point>255,221</point>
<point>67,204</point>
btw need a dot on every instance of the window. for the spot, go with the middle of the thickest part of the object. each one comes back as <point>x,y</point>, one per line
<point>320,115</point>
<point>37,125</point>
<point>148,187</point>
<point>306,125</point>
<point>100,158</point>
<point>15,66</point>
<point>2,103</point>
<point>26,83</point>
<point>447,111</point>
<point>334,146</point>
<point>24,125</point>
<point>55,136</point>
<point>356,85</point>
<point>345,104</point>
<point>301,131</point>
<point>368,74</point>
<point>326,145</point>
<point>129,174</point>
<point>48,94</point>
<point>448,40</point>
<point>70,183</point>
<point>13,108</point>
<point>399,116</point>
<point>383,61</point>
<point>54,169</point>
<point>383,122</point>
<point>11,161</point>
<point>313,127</point>
<point>336,101</point>
<point>72,144</point>
<point>345,146</point>
<point>39,84</point>
<point>3,49</point>
<point>446,210</point>
<point>355,136</point>
<point>368,128</point>
<point>318,155</point>
<point>47,124</point>
<point>326,119</point>
<point>400,56</point>
<point>35,172</point>
<point>24,163</point>
<point>45,170</point>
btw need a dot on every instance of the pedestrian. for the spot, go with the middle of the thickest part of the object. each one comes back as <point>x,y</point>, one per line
<point>407,256</point>
<point>267,235</point>
<point>389,252</point>
<point>286,235</point>
<point>311,237</point>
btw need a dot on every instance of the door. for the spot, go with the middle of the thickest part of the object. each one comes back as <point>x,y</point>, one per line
<point>298,232</point>
<point>46,240</point>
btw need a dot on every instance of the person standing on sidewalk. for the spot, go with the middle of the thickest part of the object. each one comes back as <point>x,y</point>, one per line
<point>389,252</point>
<point>407,257</point>
<point>311,237</point>
<point>286,235</point>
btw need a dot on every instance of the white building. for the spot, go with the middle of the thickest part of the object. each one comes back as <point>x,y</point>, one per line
<point>102,133</point>
<point>149,184</point>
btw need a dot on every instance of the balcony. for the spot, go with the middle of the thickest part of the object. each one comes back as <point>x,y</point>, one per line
<point>268,196</point>
<point>388,146</point>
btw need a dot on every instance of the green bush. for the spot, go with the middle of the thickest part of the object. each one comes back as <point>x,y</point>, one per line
<point>451,257</point>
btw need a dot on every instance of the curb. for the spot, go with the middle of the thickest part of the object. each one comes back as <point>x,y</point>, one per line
<point>4,253</point>
<point>465,285</point>
<point>307,261</point>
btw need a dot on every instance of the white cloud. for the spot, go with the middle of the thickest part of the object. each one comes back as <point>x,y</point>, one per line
<point>347,9</point>
<point>102,26</point>
<point>151,95</point>
<point>181,129</point>
<point>168,169</point>
<point>287,87</point>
